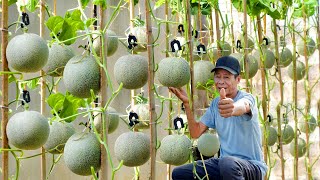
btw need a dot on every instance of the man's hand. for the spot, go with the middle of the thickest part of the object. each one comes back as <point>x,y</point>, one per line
<point>180,93</point>
<point>225,105</point>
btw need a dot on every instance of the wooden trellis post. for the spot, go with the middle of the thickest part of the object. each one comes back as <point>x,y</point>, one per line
<point>5,89</point>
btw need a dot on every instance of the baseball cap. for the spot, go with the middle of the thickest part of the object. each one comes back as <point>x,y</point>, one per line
<point>228,63</point>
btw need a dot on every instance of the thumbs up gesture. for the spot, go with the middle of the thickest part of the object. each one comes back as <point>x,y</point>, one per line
<point>225,105</point>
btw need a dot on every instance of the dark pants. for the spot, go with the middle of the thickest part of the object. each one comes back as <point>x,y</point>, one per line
<point>227,168</point>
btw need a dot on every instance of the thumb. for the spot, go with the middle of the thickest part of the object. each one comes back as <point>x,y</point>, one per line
<point>222,93</point>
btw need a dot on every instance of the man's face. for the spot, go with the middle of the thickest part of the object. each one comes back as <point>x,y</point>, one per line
<point>228,81</point>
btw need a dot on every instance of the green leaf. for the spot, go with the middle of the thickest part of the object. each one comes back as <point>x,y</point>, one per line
<point>55,101</point>
<point>90,22</point>
<point>101,3</point>
<point>32,84</point>
<point>10,2</point>
<point>54,24</point>
<point>159,3</point>
<point>84,3</point>
<point>32,5</point>
<point>308,6</point>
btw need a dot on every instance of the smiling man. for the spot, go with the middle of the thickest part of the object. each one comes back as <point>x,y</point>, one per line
<point>234,115</point>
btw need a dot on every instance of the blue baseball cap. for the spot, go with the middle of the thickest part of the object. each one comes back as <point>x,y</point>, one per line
<point>228,63</point>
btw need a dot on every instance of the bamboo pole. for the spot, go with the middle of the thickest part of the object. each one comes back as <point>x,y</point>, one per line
<point>153,123</point>
<point>318,37</point>
<point>245,38</point>
<point>131,8</point>
<point>275,33</point>
<point>232,30</point>
<point>218,33</point>
<point>103,175</point>
<point>5,90</point>
<point>43,89</point>
<point>295,101</point>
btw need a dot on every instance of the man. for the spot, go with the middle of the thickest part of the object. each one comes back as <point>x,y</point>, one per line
<point>234,115</point>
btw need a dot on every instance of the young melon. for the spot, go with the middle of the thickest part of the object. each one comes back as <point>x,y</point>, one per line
<point>173,72</point>
<point>59,55</point>
<point>132,148</point>
<point>311,46</point>
<point>240,47</point>
<point>59,135</point>
<point>28,130</point>
<point>81,74</point>
<point>312,124</point>
<point>140,33</point>
<point>267,57</point>
<point>112,120</point>
<point>225,47</point>
<point>287,134</point>
<point>202,73</point>
<point>175,149</point>
<point>252,62</point>
<point>208,144</point>
<point>111,42</point>
<point>27,53</point>
<point>81,152</point>
<point>142,110</point>
<point>300,70</point>
<point>132,71</point>
<point>302,147</point>
<point>285,56</point>
<point>272,135</point>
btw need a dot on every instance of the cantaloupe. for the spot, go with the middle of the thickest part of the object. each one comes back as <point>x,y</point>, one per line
<point>311,46</point>
<point>272,135</point>
<point>208,144</point>
<point>81,74</point>
<point>111,118</point>
<point>312,124</point>
<point>59,134</point>
<point>202,73</point>
<point>285,56</point>
<point>140,33</point>
<point>111,42</point>
<point>287,134</point>
<point>267,57</point>
<point>302,147</point>
<point>142,110</point>
<point>252,62</point>
<point>175,149</point>
<point>173,72</point>
<point>225,47</point>
<point>132,71</point>
<point>300,70</point>
<point>27,53</point>
<point>81,152</point>
<point>240,47</point>
<point>28,130</point>
<point>133,148</point>
<point>59,55</point>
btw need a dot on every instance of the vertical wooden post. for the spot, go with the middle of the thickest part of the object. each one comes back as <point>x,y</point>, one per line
<point>103,85</point>
<point>43,89</point>
<point>245,46</point>
<point>153,123</point>
<point>218,34</point>
<point>5,89</point>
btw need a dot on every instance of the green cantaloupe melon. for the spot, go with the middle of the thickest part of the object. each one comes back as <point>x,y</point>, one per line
<point>132,148</point>
<point>287,134</point>
<point>111,42</point>
<point>27,53</point>
<point>59,55</point>
<point>140,33</point>
<point>175,149</point>
<point>28,130</point>
<point>208,144</point>
<point>59,135</point>
<point>173,72</point>
<point>312,124</point>
<point>225,47</point>
<point>252,62</point>
<point>112,120</point>
<point>311,46</point>
<point>267,57</point>
<point>241,47</point>
<point>302,147</point>
<point>202,73</point>
<point>142,110</point>
<point>300,70</point>
<point>285,56</point>
<point>272,136</point>
<point>132,71</point>
<point>81,74</point>
<point>81,152</point>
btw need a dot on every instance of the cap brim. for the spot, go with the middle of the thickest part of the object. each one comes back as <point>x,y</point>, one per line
<point>225,68</point>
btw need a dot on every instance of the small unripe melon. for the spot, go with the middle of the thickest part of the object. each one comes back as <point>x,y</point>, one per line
<point>287,134</point>
<point>240,47</point>
<point>208,144</point>
<point>311,46</point>
<point>111,42</point>
<point>28,130</point>
<point>300,70</point>
<point>132,148</point>
<point>112,120</point>
<point>202,73</point>
<point>285,56</point>
<point>140,33</point>
<point>27,53</point>
<point>59,135</point>
<point>252,62</point>
<point>81,152</point>
<point>225,47</point>
<point>302,147</point>
<point>267,57</point>
<point>81,74</point>
<point>132,71</point>
<point>59,55</point>
<point>175,149</point>
<point>272,136</point>
<point>173,72</point>
<point>142,110</point>
<point>312,124</point>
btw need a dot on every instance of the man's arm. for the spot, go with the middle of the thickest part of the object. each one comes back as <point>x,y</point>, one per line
<point>195,128</point>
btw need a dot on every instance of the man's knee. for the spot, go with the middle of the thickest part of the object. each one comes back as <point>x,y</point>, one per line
<point>182,172</point>
<point>228,165</point>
